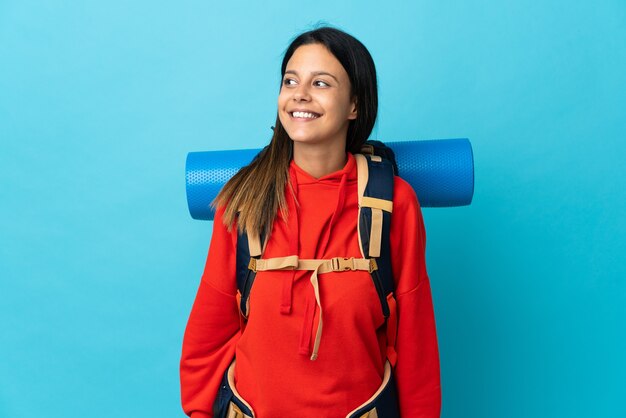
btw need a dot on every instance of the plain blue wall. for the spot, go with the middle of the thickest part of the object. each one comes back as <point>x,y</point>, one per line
<point>100,261</point>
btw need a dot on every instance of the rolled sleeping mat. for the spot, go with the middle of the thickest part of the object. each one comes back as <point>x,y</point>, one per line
<point>440,171</point>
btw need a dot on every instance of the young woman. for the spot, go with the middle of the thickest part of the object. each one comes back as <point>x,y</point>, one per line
<point>301,194</point>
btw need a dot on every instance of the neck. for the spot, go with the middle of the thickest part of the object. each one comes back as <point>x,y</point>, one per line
<point>319,161</point>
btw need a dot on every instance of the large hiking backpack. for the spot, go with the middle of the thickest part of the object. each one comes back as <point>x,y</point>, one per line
<point>376,168</point>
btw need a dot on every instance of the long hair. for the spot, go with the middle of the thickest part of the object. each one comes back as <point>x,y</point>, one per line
<point>256,193</point>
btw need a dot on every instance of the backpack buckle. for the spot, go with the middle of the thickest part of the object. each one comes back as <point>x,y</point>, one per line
<point>342,264</point>
<point>373,265</point>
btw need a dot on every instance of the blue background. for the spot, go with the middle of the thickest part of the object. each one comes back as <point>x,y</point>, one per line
<point>99,260</point>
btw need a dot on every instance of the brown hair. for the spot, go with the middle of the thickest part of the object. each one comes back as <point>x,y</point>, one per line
<point>256,193</point>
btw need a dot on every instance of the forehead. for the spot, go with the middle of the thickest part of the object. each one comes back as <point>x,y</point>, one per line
<point>315,57</point>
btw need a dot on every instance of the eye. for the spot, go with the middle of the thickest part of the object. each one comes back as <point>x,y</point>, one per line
<point>321,83</point>
<point>289,82</point>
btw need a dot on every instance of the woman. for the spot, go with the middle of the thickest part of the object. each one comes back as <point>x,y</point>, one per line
<point>302,188</point>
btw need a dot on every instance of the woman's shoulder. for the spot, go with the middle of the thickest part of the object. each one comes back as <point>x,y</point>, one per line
<point>222,228</point>
<point>404,197</point>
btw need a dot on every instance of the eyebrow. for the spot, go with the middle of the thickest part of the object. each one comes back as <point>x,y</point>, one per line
<point>315,73</point>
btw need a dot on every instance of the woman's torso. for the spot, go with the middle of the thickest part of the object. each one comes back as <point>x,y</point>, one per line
<point>274,372</point>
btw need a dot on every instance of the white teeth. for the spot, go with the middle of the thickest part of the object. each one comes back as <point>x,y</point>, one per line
<point>304,115</point>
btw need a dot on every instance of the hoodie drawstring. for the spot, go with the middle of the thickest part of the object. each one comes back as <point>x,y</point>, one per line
<point>309,316</point>
<point>316,266</point>
<point>294,233</point>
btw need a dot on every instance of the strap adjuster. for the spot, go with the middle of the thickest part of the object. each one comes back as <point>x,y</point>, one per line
<point>252,264</point>
<point>373,265</point>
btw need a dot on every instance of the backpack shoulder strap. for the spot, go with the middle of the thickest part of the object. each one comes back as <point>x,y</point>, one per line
<point>248,251</point>
<point>375,188</point>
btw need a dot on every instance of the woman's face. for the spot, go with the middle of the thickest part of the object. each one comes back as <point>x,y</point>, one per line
<point>314,104</point>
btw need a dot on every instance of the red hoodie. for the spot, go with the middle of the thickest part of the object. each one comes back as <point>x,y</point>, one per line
<point>274,372</point>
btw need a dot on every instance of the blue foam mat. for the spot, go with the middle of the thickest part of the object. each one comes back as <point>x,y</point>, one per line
<point>440,171</point>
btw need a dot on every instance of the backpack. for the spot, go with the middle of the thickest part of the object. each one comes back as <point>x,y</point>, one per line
<point>376,168</point>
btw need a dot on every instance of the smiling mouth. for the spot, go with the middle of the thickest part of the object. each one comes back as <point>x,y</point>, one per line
<point>305,115</point>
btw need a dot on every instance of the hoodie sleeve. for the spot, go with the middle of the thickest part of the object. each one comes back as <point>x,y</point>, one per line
<point>417,369</point>
<point>213,327</point>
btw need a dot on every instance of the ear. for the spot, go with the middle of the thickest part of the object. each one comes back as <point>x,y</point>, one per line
<point>353,113</point>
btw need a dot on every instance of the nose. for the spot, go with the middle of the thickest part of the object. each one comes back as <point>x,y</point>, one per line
<point>301,94</point>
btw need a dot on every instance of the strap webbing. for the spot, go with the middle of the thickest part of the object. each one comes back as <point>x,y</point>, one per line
<point>372,202</point>
<point>292,262</point>
<point>254,245</point>
<point>376,233</point>
<point>363,177</point>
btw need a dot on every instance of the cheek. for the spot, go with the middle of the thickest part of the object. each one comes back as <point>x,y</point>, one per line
<point>340,106</point>
<point>282,102</point>
<point>281,117</point>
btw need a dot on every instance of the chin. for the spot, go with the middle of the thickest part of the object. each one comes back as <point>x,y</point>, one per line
<point>303,140</point>
<point>302,137</point>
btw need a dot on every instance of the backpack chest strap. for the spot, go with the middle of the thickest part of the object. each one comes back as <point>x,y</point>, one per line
<point>292,262</point>
<point>336,264</point>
